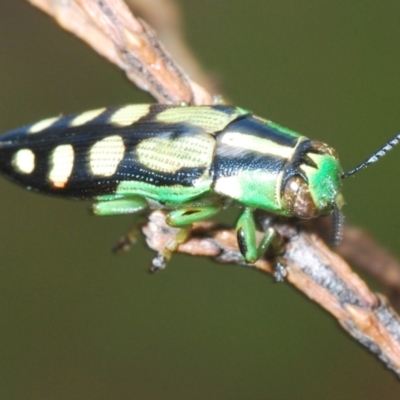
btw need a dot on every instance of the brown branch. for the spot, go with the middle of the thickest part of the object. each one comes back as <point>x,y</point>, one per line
<point>109,27</point>
<point>359,249</point>
<point>312,268</point>
<point>165,17</point>
<point>363,252</point>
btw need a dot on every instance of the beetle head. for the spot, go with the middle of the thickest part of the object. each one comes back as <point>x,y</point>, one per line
<point>311,183</point>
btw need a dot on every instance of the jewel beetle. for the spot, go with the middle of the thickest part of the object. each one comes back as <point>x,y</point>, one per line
<point>192,161</point>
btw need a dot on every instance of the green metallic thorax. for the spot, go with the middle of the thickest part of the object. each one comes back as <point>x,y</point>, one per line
<point>250,162</point>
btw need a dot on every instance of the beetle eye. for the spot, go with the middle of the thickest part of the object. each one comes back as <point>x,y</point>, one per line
<point>298,199</point>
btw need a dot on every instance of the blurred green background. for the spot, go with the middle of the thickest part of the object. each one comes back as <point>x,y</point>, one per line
<point>77,322</point>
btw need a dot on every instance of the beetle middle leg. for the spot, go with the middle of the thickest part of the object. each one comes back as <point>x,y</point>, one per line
<point>182,218</point>
<point>246,237</point>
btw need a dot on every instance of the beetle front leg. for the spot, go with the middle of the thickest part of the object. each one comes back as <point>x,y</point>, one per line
<point>246,237</point>
<point>182,218</point>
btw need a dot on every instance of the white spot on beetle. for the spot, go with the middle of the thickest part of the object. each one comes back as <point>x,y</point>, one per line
<point>86,117</point>
<point>42,125</point>
<point>229,186</point>
<point>242,141</point>
<point>105,155</point>
<point>24,161</point>
<point>61,161</point>
<point>127,115</point>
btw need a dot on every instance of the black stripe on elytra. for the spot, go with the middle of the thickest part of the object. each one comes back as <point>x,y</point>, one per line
<point>81,183</point>
<point>91,133</point>
<point>254,127</point>
<point>102,120</point>
<point>225,165</point>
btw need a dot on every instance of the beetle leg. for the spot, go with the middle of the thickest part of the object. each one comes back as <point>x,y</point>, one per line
<point>113,205</point>
<point>126,241</point>
<point>182,218</point>
<point>190,214</point>
<point>246,237</point>
<point>160,262</point>
<point>117,206</point>
<point>280,269</point>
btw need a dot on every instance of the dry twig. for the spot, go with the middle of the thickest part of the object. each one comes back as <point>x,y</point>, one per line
<point>165,17</point>
<point>109,27</point>
<point>313,269</point>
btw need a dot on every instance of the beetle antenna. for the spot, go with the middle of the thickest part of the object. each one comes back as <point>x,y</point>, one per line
<point>337,226</point>
<point>374,157</point>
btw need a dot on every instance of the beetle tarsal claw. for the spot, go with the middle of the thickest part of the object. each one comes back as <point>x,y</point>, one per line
<point>280,271</point>
<point>158,263</point>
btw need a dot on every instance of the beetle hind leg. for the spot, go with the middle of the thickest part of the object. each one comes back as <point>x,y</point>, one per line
<point>114,205</point>
<point>119,205</point>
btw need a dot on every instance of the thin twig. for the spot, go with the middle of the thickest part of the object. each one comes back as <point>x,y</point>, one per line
<point>313,269</point>
<point>109,27</point>
<point>165,17</point>
<point>359,249</point>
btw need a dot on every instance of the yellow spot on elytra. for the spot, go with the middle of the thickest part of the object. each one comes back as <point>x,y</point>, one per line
<point>127,115</point>
<point>169,155</point>
<point>243,141</point>
<point>24,161</point>
<point>61,161</point>
<point>209,119</point>
<point>42,125</point>
<point>86,116</point>
<point>105,155</point>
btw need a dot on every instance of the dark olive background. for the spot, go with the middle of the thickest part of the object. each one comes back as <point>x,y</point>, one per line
<point>77,322</point>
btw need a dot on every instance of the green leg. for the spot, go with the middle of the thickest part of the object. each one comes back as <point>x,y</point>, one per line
<point>182,218</point>
<point>118,206</point>
<point>246,237</point>
<point>164,255</point>
<point>189,215</point>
